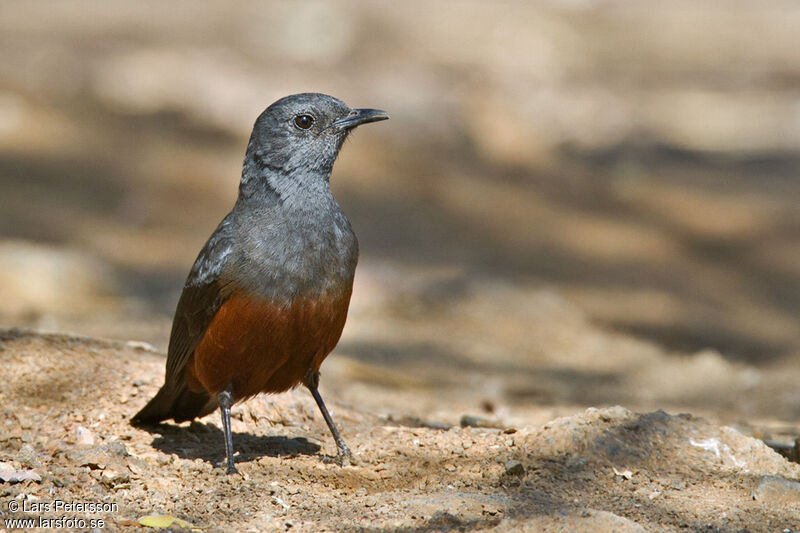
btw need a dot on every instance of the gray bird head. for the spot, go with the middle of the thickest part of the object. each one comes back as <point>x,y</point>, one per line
<point>295,142</point>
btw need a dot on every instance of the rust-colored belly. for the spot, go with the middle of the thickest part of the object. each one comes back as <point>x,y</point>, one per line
<point>260,346</point>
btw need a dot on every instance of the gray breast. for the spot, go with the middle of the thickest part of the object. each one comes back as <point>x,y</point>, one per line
<point>283,256</point>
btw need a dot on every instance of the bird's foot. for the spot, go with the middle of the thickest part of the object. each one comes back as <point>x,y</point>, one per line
<point>343,458</point>
<point>229,468</point>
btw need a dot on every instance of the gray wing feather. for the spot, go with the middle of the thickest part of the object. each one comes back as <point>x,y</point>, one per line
<point>203,294</point>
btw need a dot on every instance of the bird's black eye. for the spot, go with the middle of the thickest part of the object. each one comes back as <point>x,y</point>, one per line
<point>303,121</point>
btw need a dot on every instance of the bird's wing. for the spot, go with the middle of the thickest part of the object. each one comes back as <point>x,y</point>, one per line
<point>203,294</point>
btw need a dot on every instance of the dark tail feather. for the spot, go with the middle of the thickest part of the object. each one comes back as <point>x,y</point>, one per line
<point>181,405</point>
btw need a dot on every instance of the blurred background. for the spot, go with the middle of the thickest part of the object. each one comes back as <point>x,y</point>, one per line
<point>574,202</point>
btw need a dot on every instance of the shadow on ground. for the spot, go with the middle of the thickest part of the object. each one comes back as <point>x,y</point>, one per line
<point>206,442</point>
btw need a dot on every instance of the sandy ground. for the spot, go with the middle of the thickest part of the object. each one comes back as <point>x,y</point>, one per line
<point>517,464</point>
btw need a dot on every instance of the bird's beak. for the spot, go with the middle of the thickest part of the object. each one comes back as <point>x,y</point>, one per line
<point>360,116</point>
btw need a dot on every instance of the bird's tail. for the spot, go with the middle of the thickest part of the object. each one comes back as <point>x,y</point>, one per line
<point>176,402</point>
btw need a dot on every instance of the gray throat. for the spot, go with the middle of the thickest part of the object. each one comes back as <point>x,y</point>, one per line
<point>295,236</point>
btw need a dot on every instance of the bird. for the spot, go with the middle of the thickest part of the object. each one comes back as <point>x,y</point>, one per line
<point>267,297</point>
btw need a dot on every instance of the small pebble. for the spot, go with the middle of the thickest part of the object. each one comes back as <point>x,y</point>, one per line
<point>27,456</point>
<point>514,468</point>
<point>84,437</point>
<point>775,490</point>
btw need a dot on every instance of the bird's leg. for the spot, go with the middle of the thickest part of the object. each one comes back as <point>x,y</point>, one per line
<point>343,456</point>
<point>225,400</point>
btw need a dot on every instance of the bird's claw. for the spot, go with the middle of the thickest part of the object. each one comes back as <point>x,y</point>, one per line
<point>229,468</point>
<point>343,458</point>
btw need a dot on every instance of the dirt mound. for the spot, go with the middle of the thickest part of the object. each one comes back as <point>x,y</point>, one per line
<point>67,401</point>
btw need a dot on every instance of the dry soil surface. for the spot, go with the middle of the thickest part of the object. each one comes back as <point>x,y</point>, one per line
<point>67,402</point>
